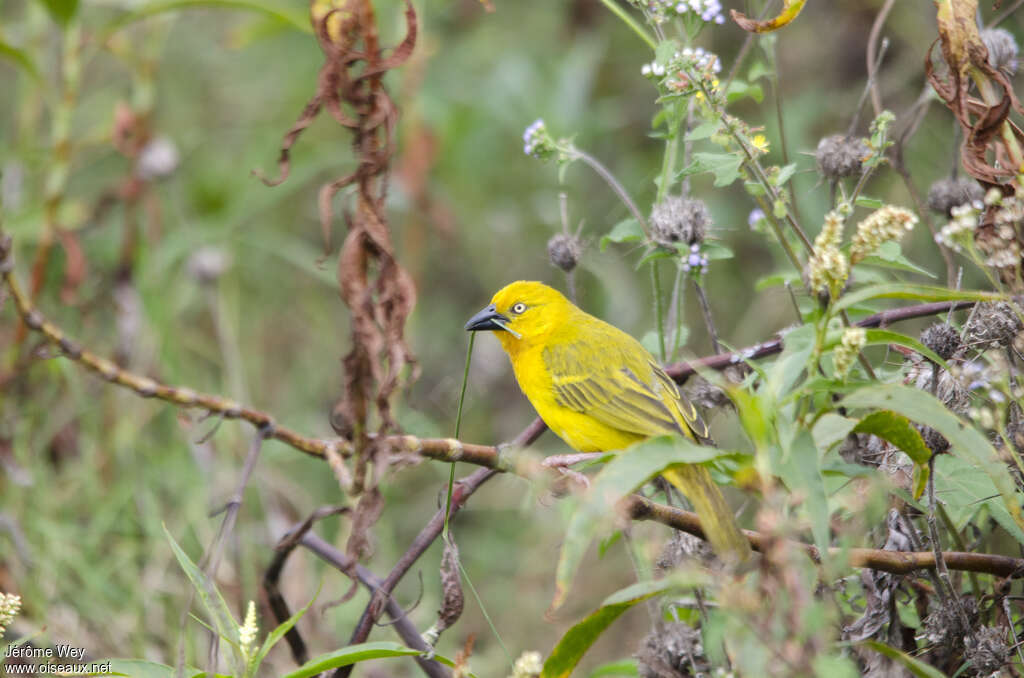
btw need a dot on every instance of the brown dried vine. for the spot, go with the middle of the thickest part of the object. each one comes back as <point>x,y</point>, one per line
<point>379,293</point>
<point>985,122</point>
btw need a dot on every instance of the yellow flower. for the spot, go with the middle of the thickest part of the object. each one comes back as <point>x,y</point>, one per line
<point>760,142</point>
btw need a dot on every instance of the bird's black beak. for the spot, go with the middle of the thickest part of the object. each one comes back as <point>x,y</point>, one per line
<point>487,319</point>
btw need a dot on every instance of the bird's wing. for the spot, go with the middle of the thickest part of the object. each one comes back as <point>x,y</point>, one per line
<point>623,390</point>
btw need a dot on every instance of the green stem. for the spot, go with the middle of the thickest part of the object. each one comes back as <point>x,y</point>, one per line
<point>656,283</point>
<point>668,162</point>
<point>458,426</point>
<point>630,21</point>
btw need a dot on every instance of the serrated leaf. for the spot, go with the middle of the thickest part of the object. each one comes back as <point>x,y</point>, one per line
<point>578,639</point>
<point>965,441</point>
<point>619,477</point>
<point>627,230</point>
<point>786,173</point>
<point>912,291</point>
<point>703,130</point>
<point>724,166</point>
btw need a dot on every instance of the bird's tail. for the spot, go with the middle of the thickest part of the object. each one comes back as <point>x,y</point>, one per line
<point>716,518</point>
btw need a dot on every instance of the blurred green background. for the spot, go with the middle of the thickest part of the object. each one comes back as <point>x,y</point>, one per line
<point>91,472</point>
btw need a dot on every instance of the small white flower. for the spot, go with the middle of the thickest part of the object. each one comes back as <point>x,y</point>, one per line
<point>248,630</point>
<point>10,605</point>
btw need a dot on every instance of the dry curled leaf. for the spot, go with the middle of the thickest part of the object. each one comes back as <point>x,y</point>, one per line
<point>790,10</point>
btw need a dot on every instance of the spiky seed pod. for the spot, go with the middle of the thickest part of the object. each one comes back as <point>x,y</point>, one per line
<point>564,251</point>
<point>1002,49</point>
<point>680,220</point>
<point>986,650</point>
<point>993,324</point>
<point>935,441</point>
<point>945,194</point>
<point>841,156</point>
<point>672,649</point>
<point>943,339</point>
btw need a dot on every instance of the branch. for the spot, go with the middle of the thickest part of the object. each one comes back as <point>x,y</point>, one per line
<point>681,371</point>
<point>895,562</point>
<point>403,626</point>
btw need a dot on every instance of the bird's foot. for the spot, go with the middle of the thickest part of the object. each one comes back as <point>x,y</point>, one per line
<point>562,462</point>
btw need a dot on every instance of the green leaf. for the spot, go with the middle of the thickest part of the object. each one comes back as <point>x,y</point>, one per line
<point>877,337</point>
<point>915,666</point>
<point>897,429</point>
<point>725,167</point>
<point>830,429</point>
<point>739,89</point>
<point>623,667</point>
<point>619,477</point>
<point>220,614</point>
<point>351,655</point>
<point>890,255</point>
<point>274,636</point>
<point>786,173</point>
<point>627,230</point>
<point>965,441</point>
<point>578,639</point>
<point>911,291</point>
<point>703,130</point>
<point>714,251</point>
<point>283,12</point>
<point>776,280</point>
<point>801,471</point>
<point>965,490</point>
<point>20,58</point>
<point>865,201</point>
<point>61,11</point>
<point>666,50</point>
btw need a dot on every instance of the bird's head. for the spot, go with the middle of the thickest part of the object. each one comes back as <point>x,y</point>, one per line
<point>522,312</point>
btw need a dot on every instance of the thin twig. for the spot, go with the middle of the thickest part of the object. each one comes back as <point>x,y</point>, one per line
<point>277,603</point>
<point>873,56</point>
<point>211,560</point>
<point>613,183</point>
<point>1005,15</point>
<point>403,626</point>
<point>702,299</point>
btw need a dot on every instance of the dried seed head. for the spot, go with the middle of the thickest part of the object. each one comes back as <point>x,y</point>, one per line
<point>841,156</point>
<point>564,251</point>
<point>673,649</point>
<point>1002,49</point>
<point>935,441</point>
<point>683,547</point>
<point>986,650</point>
<point>943,339</point>
<point>944,627</point>
<point>945,194</point>
<point>451,584</point>
<point>993,324</point>
<point>678,220</point>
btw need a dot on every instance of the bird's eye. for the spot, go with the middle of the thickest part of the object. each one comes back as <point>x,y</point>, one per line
<point>518,308</point>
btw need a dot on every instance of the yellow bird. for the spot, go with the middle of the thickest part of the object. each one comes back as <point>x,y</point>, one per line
<point>599,389</point>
